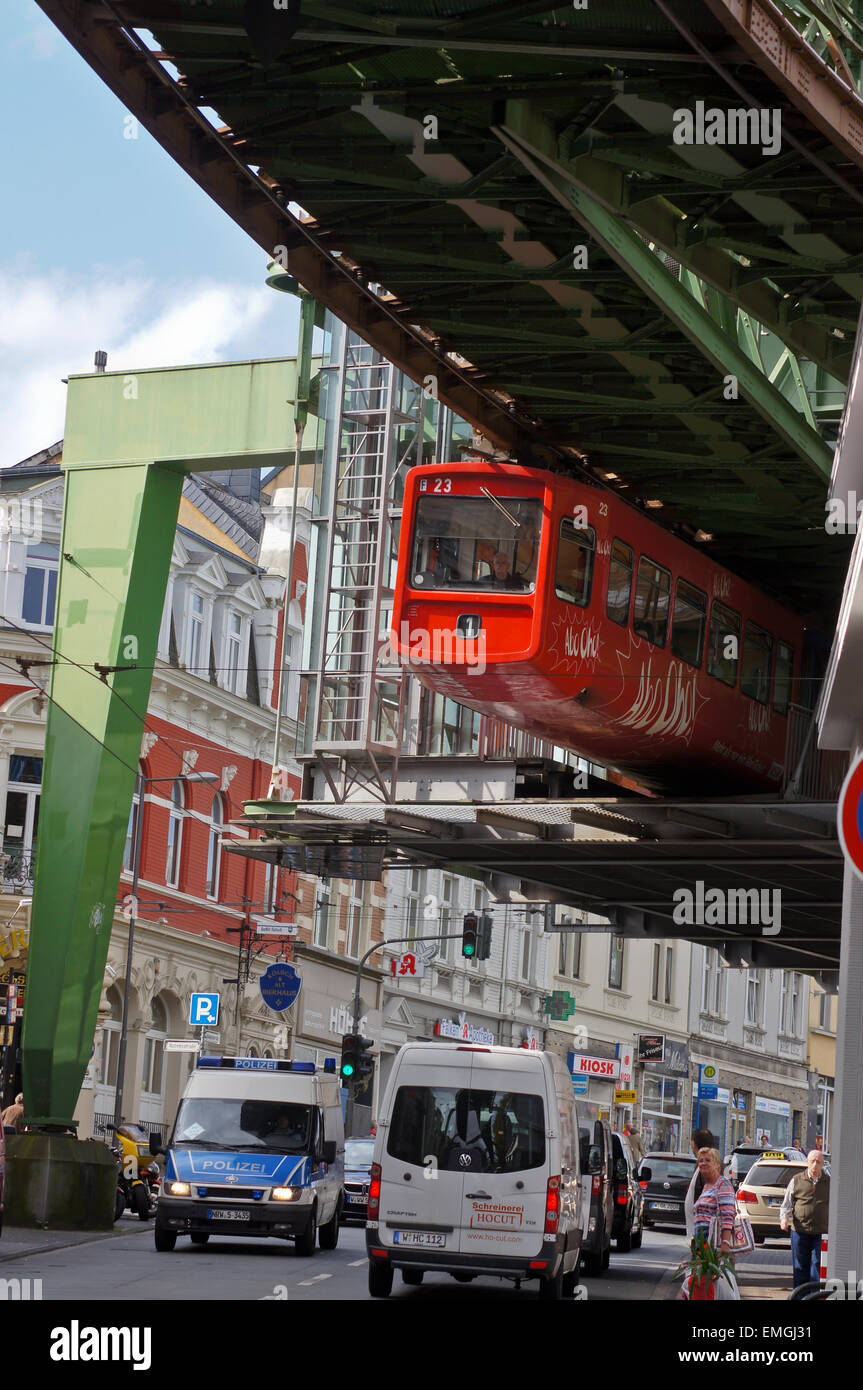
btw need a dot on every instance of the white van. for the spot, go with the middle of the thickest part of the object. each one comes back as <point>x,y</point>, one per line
<point>476,1169</point>
<point>257,1150</point>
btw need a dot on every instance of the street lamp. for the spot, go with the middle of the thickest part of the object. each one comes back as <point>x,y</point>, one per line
<point>141,785</point>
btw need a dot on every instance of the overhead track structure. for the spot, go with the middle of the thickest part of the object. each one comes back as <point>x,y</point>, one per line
<point>459,154</point>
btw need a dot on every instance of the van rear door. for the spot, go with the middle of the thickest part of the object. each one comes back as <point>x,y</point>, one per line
<point>421,1198</point>
<point>497,1136</point>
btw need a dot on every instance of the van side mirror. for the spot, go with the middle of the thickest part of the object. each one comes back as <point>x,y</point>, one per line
<point>594,1159</point>
<point>330,1151</point>
<point>156,1146</point>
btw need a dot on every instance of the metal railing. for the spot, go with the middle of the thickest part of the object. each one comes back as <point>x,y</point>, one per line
<point>19,866</point>
<point>103,1122</point>
<point>811,773</point>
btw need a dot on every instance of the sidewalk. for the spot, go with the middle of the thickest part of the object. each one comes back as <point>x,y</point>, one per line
<point>765,1275</point>
<point>17,1242</point>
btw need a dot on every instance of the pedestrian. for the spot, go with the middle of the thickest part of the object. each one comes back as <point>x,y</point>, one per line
<point>634,1143</point>
<point>804,1209</point>
<point>13,1114</point>
<point>716,1199</point>
<point>765,1141</point>
<point>701,1139</point>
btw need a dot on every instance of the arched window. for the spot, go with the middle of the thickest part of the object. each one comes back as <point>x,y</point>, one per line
<point>111,1039</point>
<point>251,1050</point>
<point>154,1049</point>
<point>214,848</point>
<point>175,835</point>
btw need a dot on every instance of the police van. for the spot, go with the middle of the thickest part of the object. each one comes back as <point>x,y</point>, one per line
<point>476,1169</point>
<point>257,1150</point>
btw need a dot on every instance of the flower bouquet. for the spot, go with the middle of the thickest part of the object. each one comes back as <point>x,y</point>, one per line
<point>702,1272</point>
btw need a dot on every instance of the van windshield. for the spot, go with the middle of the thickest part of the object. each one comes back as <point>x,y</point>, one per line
<point>244,1124</point>
<point>478,1131</point>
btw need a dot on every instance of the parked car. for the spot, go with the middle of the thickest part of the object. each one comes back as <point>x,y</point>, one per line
<point>358,1167</point>
<point>741,1159</point>
<point>627,1198</point>
<point>664,1179</point>
<point>597,1167</point>
<point>760,1195</point>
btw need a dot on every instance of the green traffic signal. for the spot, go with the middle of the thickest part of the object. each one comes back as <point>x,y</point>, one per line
<point>467,949</point>
<point>470,928</point>
<point>347,1069</point>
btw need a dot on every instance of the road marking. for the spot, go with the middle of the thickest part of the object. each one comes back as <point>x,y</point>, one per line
<point>304,1283</point>
<point>355,1264</point>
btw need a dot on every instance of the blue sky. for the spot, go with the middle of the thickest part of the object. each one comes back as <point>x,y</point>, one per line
<point>106,243</point>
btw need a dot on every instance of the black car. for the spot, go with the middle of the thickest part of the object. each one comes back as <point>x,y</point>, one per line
<point>628,1201</point>
<point>664,1180</point>
<point>597,1169</point>
<point>358,1165</point>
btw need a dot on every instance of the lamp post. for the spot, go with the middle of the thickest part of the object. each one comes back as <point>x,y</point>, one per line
<point>142,784</point>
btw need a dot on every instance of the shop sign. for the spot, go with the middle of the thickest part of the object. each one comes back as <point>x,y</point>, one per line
<point>675,1061</point>
<point>624,1052</point>
<point>14,942</point>
<point>581,1064</point>
<point>462,1032</point>
<point>625,1097</point>
<point>651,1047</point>
<point>772,1107</point>
<point>407,966</point>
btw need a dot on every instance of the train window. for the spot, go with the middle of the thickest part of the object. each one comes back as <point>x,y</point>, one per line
<point>782,678</point>
<point>619,583</point>
<point>573,575</point>
<point>755,664</point>
<point>688,623</point>
<point>723,644</point>
<point>652,592</point>
<point>476,543</point>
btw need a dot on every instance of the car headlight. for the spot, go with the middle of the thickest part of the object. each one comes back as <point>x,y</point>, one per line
<point>285,1194</point>
<point>179,1189</point>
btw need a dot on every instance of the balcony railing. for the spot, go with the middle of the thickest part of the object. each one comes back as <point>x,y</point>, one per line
<point>18,867</point>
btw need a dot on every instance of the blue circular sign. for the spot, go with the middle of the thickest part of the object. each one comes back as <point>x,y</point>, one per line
<point>280,985</point>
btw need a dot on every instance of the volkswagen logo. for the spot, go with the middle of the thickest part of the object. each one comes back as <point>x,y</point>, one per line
<point>464,1161</point>
<point>666,1185</point>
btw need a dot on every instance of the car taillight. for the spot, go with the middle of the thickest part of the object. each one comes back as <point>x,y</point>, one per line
<point>552,1206</point>
<point>622,1199</point>
<point>744,1196</point>
<point>596,1185</point>
<point>374,1192</point>
<point>642,1184</point>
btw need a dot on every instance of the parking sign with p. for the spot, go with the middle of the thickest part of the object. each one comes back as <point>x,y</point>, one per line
<point>204,1010</point>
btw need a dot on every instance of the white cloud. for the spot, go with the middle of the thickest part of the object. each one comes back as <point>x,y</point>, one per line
<point>50,328</point>
<point>40,44</point>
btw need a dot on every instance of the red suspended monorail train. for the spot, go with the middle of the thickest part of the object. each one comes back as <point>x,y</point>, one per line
<point>559,608</point>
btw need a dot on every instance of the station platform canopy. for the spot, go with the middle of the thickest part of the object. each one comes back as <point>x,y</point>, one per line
<point>620,859</point>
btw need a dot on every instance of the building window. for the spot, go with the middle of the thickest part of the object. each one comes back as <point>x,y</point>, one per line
<point>657,963</point>
<point>825,1013</point>
<point>577,938</point>
<point>154,1049</point>
<point>447,915</point>
<point>40,585</point>
<point>214,847</point>
<point>129,847</point>
<point>562,954</point>
<point>234,675</point>
<point>713,984</point>
<point>195,640</point>
<point>111,1039</point>
<point>669,973</point>
<point>413,902</point>
<point>175,836</point>
<point>22,818</point>
<point>322,915</point>
<point>615,963</point>
<point>753,997</point>
<point>790,1005</point>
<point>526,944</point>
<point>271,887</point>
<point>355,912</point>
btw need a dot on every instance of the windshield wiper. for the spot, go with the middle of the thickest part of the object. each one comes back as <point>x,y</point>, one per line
<point>513,521</point>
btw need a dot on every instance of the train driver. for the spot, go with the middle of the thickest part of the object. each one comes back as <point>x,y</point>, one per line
<point>501,576</point>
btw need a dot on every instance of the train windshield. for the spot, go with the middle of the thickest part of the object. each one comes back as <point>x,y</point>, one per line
<point>476,543</point>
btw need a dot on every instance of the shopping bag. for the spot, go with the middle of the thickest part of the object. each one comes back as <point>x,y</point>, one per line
<point>742,1239</point>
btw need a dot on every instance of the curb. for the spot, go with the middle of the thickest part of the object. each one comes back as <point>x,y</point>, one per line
<point>68,1244</point>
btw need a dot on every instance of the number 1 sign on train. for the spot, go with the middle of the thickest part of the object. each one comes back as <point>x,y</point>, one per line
<point>850,817</point>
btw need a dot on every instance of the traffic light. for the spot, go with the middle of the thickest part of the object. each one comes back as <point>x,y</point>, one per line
<point>470,936</point>
<point>364,1065</point>
<point>350,1058</point>
<point>483,944</point>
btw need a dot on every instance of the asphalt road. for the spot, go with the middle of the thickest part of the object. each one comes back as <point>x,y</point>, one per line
<point>127,1268</point>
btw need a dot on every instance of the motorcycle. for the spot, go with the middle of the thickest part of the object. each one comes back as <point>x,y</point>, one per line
<point>132,1190</point>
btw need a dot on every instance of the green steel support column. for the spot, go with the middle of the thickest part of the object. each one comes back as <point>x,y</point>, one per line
<point>118,533</point>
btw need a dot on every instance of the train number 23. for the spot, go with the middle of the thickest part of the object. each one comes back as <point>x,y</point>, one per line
<point>442,485</point>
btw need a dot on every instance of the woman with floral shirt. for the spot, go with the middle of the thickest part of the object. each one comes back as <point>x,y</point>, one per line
<point>717,1200</point>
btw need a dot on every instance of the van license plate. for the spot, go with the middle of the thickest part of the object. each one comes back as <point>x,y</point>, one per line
<point>225,1214</point>
<point>665,1206</point>
<point>418,1238</point>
